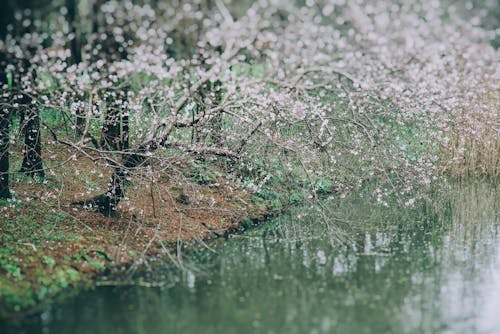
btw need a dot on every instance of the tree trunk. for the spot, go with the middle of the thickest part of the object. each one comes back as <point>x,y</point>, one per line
<point>80,118</point>
<point>115,135</point>
<point>96,7</point>
<point>4,153</point>
<point>125,131</point>
<point>110,137</point>
<point>4,117</point>
<point>32,161</point>
<point>75,44</point>
<point>107,203</point>
<point>115,130</point>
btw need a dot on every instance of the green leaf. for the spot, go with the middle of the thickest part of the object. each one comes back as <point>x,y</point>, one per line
<point>10,79</point>
<point>42,292</point>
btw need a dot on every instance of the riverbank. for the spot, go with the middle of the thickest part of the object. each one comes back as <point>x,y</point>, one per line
<point>390,272</point>
<point>193,130</point>
<point>50,247</point>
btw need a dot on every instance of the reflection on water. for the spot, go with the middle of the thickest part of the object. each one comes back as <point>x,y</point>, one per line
<point>437,272</point>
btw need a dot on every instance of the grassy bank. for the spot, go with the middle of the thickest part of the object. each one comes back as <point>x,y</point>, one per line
<point>49,247</point>
<point>177,130</point>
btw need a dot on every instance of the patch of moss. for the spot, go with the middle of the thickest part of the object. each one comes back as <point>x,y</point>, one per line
<point>29,272</point>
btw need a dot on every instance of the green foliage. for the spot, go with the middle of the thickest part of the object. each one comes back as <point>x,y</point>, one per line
<point>255,71</point>
<point>95,259</point>
<point>50,262</point>
<point>23,257</point>
<point>53,117</point>
<point>11,269</point>
<point>19,292</point>
<point>9,79</point>
<point>201,173</point>
<point>16,294</point>
<point>323,186</point>
<point>35,227</point>
<point>57,279</point>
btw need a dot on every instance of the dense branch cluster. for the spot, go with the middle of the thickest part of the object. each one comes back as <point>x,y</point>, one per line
<point>333,94</point>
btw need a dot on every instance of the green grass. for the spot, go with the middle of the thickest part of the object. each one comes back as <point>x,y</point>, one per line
<point>35,227</point>
<point>28,274</point>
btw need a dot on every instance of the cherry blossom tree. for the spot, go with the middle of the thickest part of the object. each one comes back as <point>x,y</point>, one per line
<point>328,96</point>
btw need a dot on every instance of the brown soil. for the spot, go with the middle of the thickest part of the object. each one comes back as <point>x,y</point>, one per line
<point>161,208</point>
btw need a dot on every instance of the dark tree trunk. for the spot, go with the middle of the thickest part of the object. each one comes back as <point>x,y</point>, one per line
<point>107,203</point>
<point>4,153</point>
<point>80,119</point>
<point>110,137</point>
<point>115,136</point>
<point>115,130</point>
<point>32,161</point>
<point>96,6</point>
<point>6,17</point>
<point>4,117</point>
<point>75,46</point>
<point>125,131</point>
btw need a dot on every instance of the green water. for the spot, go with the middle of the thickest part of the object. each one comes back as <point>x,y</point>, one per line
<point>430,271</point>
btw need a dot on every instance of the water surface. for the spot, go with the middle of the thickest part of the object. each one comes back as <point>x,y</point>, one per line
<point>432,271</point>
